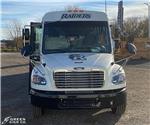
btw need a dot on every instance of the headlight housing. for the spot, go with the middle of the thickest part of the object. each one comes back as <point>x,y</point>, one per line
<point>37,79</point>
<point>118,79</point>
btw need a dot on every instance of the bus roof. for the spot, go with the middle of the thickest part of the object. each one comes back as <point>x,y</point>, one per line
<point>74,16</point>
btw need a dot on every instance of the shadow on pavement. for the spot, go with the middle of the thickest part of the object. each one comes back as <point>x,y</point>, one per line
<point>14,95</point>
<point>15,103</point>
<point>138,61</point>
<point>76,117</point>
<point>13,66</point>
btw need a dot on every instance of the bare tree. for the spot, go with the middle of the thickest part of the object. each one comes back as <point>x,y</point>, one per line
<point>143,26</point>
<point>14,32</point>
<point>137,27</point>
<point>134,27</point>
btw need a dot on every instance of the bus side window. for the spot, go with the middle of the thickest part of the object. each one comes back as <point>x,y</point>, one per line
<point>38,39</point>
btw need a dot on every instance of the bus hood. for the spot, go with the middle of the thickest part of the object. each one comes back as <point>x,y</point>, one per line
<point>72,60</point>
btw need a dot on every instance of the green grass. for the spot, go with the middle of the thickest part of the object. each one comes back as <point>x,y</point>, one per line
<point>9,50</point>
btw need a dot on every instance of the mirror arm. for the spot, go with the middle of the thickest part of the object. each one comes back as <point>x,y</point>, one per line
<point>123,59</point>
<point>34,63</point>
<point>125,63</point>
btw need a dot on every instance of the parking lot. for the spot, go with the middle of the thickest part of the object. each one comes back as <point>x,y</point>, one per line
<point>15,99</point>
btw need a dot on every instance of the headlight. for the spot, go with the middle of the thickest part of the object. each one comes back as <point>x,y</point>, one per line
<point>118,79</point>
<point>36,79</point>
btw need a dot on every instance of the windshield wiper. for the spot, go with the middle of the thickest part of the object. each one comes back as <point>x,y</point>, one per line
<point>57,51</point>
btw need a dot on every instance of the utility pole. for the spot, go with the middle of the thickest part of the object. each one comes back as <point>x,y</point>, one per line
<point>148,4</point>
<point>120,15</point>
<point>149,19</point>
<point>106,6</point>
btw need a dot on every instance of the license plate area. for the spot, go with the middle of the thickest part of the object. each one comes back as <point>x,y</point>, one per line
<point>79,103</point>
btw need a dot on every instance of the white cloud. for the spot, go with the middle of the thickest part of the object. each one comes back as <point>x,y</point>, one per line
<point>46,1</point>
<point>4,32</point>
<point>136,11</point>
<point>33,10</point>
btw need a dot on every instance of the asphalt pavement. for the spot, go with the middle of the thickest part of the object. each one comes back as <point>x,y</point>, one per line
<point>16,103</point>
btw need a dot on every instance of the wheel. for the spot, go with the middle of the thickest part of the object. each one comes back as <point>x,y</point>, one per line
<point>37,111</point>
<point>119,110</point>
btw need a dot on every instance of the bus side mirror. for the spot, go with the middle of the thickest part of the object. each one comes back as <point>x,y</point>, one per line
<point>131,48</point>
<point>26,50</point>
<point>26,34</point>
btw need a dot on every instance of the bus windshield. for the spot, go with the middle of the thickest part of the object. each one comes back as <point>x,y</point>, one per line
<point>76,36</point>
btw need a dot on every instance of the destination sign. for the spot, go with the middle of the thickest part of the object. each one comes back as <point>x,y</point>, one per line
<point>74,16</point>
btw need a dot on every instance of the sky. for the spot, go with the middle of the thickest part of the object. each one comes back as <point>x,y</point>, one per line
<point>25,11</point>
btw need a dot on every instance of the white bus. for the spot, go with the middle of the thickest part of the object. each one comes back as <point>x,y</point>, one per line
<point>72,63</point>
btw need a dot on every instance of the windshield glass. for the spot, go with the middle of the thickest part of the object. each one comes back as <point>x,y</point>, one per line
<point>60,37</point>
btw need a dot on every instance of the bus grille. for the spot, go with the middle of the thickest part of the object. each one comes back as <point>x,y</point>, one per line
<point>88,79</point>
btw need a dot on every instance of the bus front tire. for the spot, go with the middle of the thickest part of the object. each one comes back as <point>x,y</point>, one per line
<point>37,111</point>
<point>119,110</point>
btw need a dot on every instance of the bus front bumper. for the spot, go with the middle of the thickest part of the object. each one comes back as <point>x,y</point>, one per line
<point>79,99</point>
